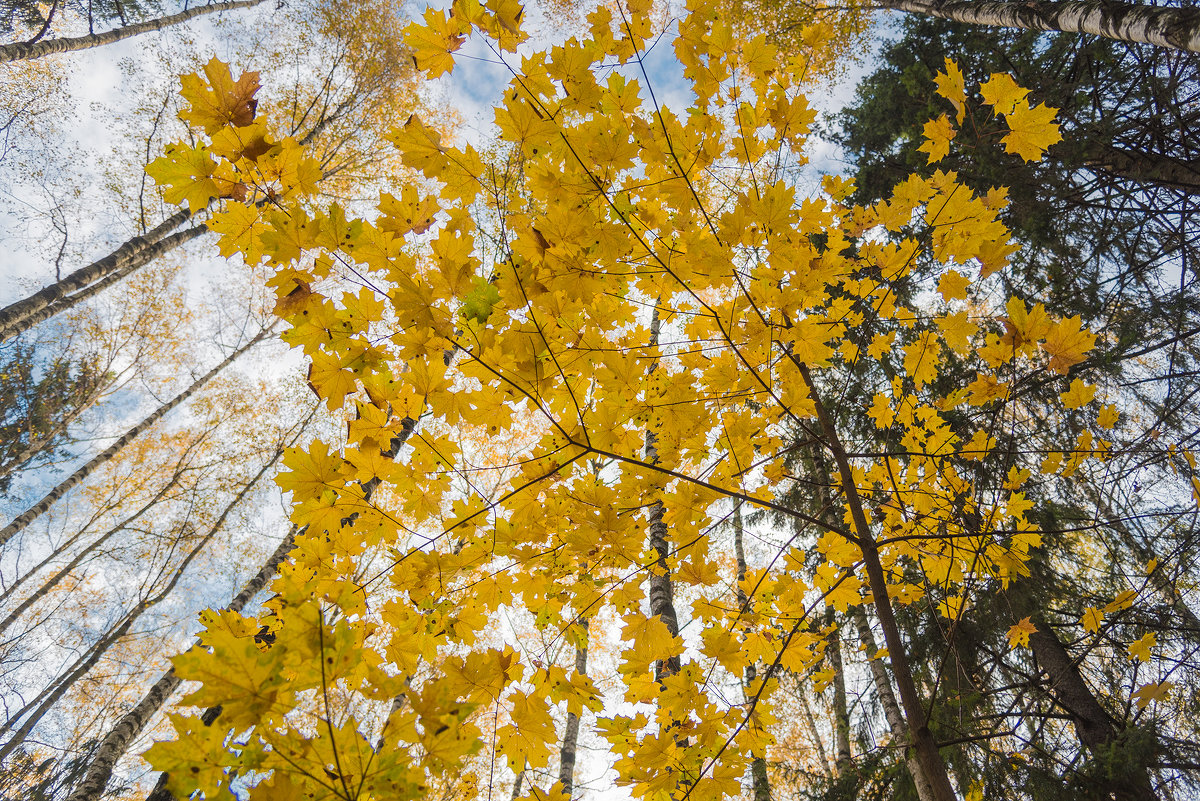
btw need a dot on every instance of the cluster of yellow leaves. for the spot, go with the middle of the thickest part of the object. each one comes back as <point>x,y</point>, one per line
<point>1031,130</point>
<point>668,333</point>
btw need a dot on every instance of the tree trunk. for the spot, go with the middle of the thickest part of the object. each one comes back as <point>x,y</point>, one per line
<point>841,712</point>
<point>66,569</point>
<point>1173,28</point>
<point>758,765</point>
<point>570,743</point>
<point>122,270</point>
<point>931,768</point>
<point>1150,168</point>
<point>23,51</point>
<point>1098,732</point>
<point>139,250</point>
<point>146,603</point>
<point>887,699</point>
<point>135,720</point>
<point>22,522</point>
<point>662,595</point>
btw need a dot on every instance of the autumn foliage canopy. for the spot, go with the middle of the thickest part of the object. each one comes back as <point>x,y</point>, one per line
<point>567,365</point>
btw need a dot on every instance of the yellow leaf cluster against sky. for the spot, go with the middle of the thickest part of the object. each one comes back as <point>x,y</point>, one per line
<point>648,296</point>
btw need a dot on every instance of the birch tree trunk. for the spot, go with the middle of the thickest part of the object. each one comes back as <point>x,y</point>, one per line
<point>887,699</point>
<point>662,595</point>
<point>61,295</point>
<point>34,512</point>
<point>114,746</point>
<point>160,791</point>
<point>570,743</point>
<point>758,765</point>
<point>144,605</point>
<point>841,712</point>
<point>24,51</point>
<point>68,568</point>
<point>1173,28</point>
<point>137,252</point>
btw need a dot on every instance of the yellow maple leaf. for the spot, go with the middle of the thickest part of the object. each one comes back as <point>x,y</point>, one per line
<point>1079,394</point>
<point>957,329</point>
<point>1001,92</point>
<point>1148,693</point>
<point>1124,600</point>
<point>922,358</point>
<point>881,344</point>
<point>433,42</point>
<point>1108,416</point>
<point>953,285</point>
<point>1018,635</point>
<point>938,134</point>
<point>1031,131</point>
<point>1091,619</point>
<point>1140,649</point>
<point>219,100</point>
<point>187,175</point>
<point>951,86</point>
<point>1068,343</point>
<point>881,411</point>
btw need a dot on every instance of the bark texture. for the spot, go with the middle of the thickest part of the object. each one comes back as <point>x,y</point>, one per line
<point>88,281</point>
<point>570,743</point>
<point>1151,168</point>
<point>24,51</point>
<point>34,512</point>
<point>1096,729</point>
<point>887,699</point>
<point>1174,28</point>
<point>760,784</point>
<point>662,595</point>
<point>63,294</point>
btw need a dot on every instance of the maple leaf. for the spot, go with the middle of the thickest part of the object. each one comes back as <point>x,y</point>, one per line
<point>1148,693</point>
<point>953,285</point>
<point>938,134</point>
<point>881,411</point>
<point>1140,649</point>
<point>923,358</point>
<point>951,86</point>
<point>1068,343</point>
<point>1018,634</point>
<point>1079,394</point>
<point>434,41</point>
<point>1001,92</point>
<point>219,100</point>
<point>1092,619</point>
<point>310,472</point>
<point>239,226</point>
<point>1124,600</point>
<point>188,175</point>
<point>1108,416</point>
<point>957,329</point>
<point>1031,131</point>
